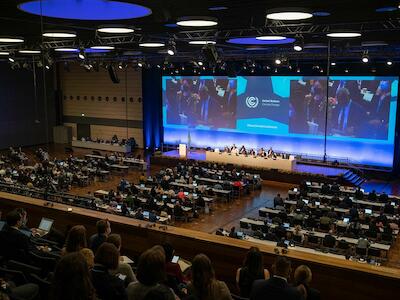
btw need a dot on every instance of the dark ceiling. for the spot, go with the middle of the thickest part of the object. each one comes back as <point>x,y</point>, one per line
<point>241,18</point>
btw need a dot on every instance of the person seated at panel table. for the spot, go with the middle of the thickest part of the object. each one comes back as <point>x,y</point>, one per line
<point>271,153</point>
<point>383,198</point>
<point>227,149</point>
<point>252,152</point>
<point>262,152</point>
<point>359,195</point>
<point>325,189</point>
<point>372,196</point>
<point>278,201</point>
<point>242,150</point>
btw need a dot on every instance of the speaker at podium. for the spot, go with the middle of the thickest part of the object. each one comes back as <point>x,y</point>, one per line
<point>182,150</point>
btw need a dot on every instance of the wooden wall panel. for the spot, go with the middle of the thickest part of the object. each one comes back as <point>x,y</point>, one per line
<point>94,95</point>
<point>100,131</point>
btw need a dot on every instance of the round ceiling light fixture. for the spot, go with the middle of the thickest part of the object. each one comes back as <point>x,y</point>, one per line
<point>255,41</point>
<point>7,39</point>
<point>66,50</point>
<point>115,29</point>
<point>197,21</point>
<point>288,14</point>
<point>270,38</point>
<point>59,34</point>
<point>100,47</point>
<point>152,44</point>
<point>343,34</point>
<point>203,42</point>
<point>29,51</point>
<point>85,10</point>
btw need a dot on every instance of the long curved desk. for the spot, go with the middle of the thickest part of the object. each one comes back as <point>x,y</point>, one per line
<point>334,277</point>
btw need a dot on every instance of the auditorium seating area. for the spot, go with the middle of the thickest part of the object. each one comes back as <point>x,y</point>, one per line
<point>331,219</point>
<point>42,265</point>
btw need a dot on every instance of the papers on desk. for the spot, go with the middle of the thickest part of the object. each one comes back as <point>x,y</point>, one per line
<point>126,260</point>
<point>184,264</point>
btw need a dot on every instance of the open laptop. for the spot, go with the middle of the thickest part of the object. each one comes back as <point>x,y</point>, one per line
<point>317,203</point>
<point>2,223</point>
<point>368,211</point>
<point>295,190</point>
<point>308,183</point>
<point>346,220</point>
<point>44,227</point>
<point>305,201</point>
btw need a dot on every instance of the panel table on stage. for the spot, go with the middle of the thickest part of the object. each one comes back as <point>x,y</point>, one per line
<point>102,146</point>
<point>251,161</point>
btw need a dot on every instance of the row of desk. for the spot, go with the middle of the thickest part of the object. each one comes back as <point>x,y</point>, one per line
<point>101,146</point>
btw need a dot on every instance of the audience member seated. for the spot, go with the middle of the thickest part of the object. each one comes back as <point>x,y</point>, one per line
<point>76,242</point>
<point>103,230</point>
<point>302,279</point>
<point>150,275</point>
<point>204,285</point>
<point>277,287</point>
<point>72,279</point>
<point>123,268</point>
<point>372,196</point>
<point>252,269</point>
<point>14,243</point>
<point>278,201</point>
<point>172,269</point>
<point>107,285</point>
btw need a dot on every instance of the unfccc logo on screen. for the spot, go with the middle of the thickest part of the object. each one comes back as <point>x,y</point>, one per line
<point>252,102</point>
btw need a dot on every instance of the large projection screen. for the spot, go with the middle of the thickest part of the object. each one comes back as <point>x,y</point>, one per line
<point>293,114</point>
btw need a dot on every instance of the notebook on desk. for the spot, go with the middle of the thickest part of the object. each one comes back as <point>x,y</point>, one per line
<point>184,264</point>
<point>126,259</point>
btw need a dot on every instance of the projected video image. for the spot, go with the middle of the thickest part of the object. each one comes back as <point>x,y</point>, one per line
<point>359,108</point>
<point>194,101</point>
<point>307,108</point>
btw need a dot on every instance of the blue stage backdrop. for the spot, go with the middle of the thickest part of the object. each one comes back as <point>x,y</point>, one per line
<point>292,114</point>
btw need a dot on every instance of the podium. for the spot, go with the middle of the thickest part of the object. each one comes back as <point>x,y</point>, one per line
<point>182,150</point>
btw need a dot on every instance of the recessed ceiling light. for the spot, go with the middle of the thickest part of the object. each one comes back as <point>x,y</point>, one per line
<point>197,22</point>
<point>202,42</point>
<point>270,38</point>
<point>333,63</point>
<point>4,53</point>
<point>11,40</point>
<point>66,50</point>
<point>289,15</point>
<point>278,61</point>
<point>103,47</point>
<point>389,63</point>
<point>29,51</point>
<point>216,8</point>
<point>152,44</point>
<point>343,34</point>
<point>321,14</point>
<point>115,29</point>
<point>59,34</point>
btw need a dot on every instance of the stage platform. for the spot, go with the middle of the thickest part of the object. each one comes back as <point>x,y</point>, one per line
<point>298,167</point>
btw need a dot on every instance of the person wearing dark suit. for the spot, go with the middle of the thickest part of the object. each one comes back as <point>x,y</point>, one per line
<point>103,231</point>
<point>15,245</point>
<point>380,110</point>
<point>348,117</point>
<point>277,287</point>
<point>108,286</point>
<point>302,278</point>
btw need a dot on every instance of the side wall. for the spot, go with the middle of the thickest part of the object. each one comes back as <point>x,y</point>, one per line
<point>109,108</point>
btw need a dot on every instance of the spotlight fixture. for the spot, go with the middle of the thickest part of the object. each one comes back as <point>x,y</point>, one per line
<point>200,63</point>
<point>27,51</point>
<point>115,29</point>
<point>298,45</point>
<point>81,54</point>
<point>333,63</point>
<point>120,66</point>
<point>343,34</point>
<point>152,44</point>
<point>47,67</point>
<point>365,57</point>
<point>389,63</point>
<point>289,14</point>
<point>140,64</point>
<point>202,42</point>
<point>171,48</point>
<point>197,21</point>
<point>346,71</point>
<point>6,39</point>
<point>59,34</point>
<point>278,61</point>
<point>101,47</point>
<point>11,59</point>
<point>270,37</point>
